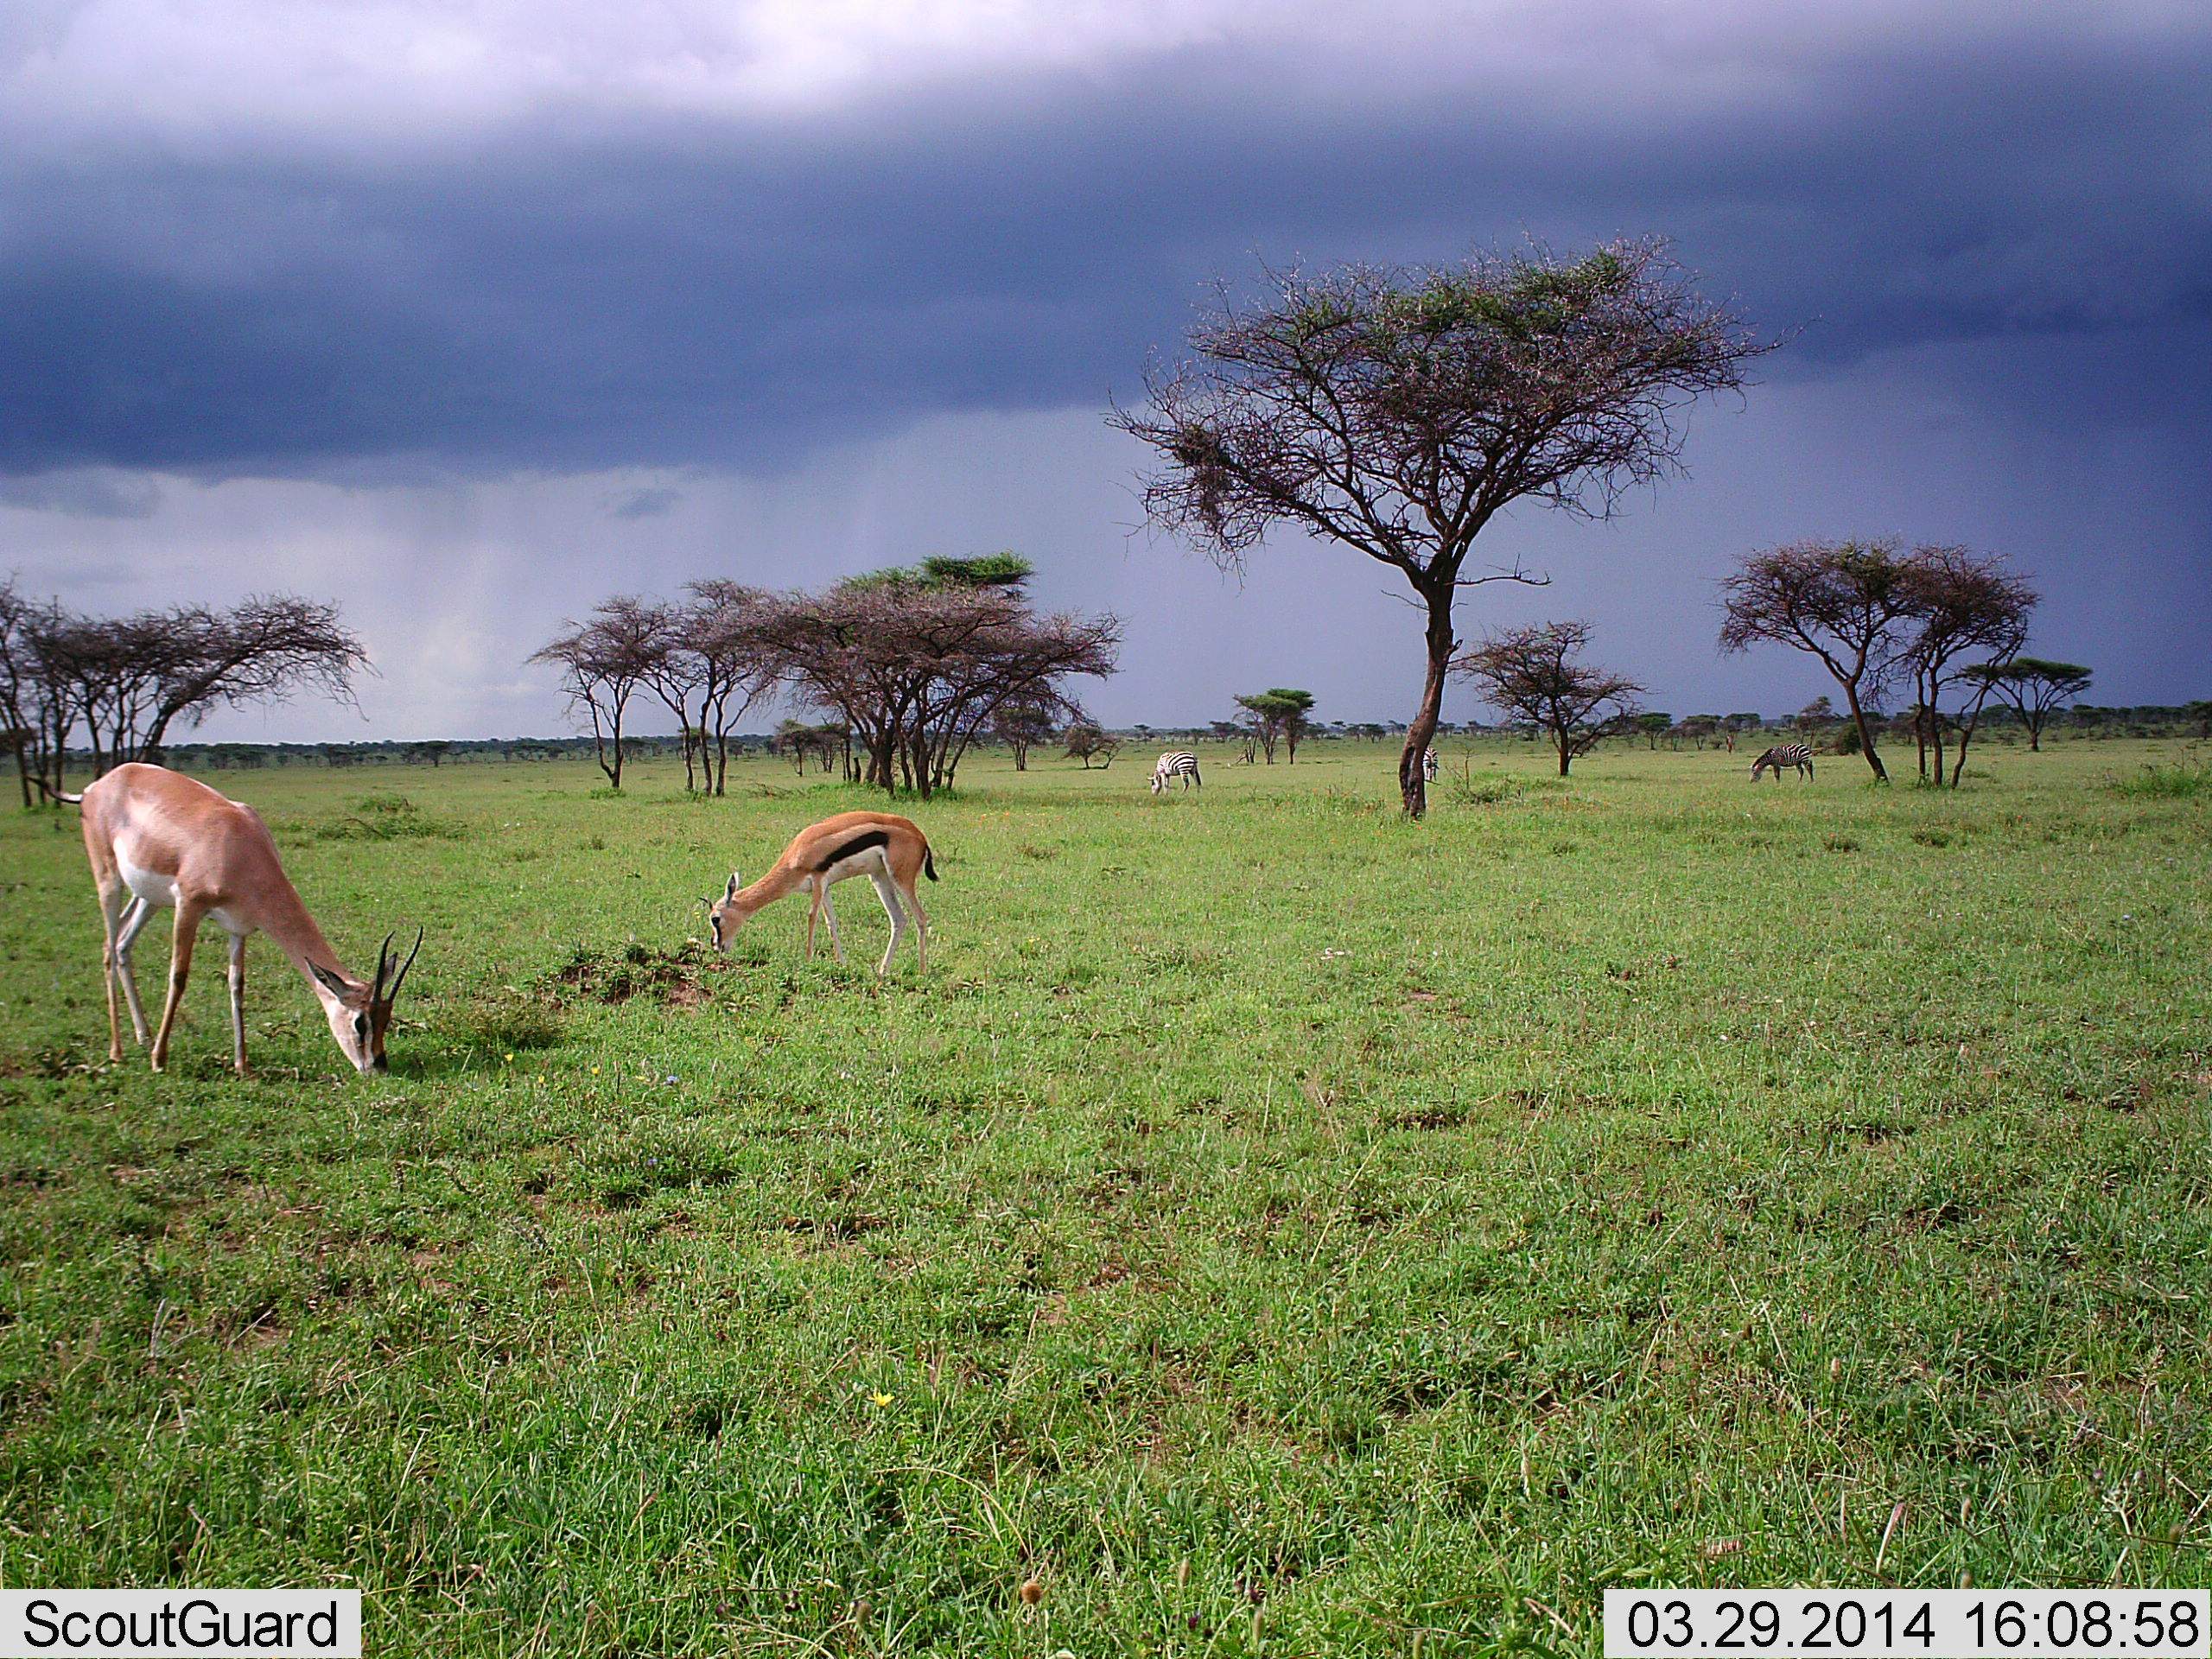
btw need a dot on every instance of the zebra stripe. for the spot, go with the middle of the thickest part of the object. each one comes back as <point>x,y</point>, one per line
<point>1176,763</point>
<point>1784,754</point>
<point>1428,766</point>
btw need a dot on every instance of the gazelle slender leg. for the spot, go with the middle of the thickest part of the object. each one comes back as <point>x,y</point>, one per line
<point>813,911</point>
<point>187,933</point>
<point>111,907</point>
<point>887,890</point>
<point>134,918</point>
<point>829,915</point>
<point>238,1003</point>
<point>921,927</point>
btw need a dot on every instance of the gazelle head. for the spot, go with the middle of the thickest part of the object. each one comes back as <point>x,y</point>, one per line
<point>723,918</point>
<point>360,1015</point>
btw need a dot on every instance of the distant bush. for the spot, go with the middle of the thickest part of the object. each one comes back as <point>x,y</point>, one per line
<point>2165,783</point>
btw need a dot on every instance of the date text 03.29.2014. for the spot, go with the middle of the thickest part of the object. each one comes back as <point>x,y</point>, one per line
<point>1909,1624</point>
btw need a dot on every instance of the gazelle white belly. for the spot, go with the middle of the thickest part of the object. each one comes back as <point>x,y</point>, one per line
<point>871,862</point>
<point>157,889</point>
<point>160,891</point>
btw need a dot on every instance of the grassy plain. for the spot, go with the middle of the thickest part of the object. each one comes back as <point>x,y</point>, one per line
<point>1271,1227</point>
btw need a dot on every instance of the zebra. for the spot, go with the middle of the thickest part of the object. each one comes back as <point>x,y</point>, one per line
<point>1176,763</point>
<point>1784,754</point>
<point>1428,766</point>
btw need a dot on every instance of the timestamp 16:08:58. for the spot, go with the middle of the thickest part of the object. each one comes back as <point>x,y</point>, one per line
<point>1908,1624</point>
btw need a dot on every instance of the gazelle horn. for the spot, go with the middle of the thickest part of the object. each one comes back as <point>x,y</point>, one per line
<point>390,996</point>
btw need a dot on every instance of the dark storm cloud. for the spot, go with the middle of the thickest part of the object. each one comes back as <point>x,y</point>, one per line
<point>577,292</point>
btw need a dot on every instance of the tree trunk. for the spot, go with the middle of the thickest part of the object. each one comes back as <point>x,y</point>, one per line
<point>1923,713</point>
<point>1565,741</point>
<point>1413,788</point>
<point>1969,719</point>
<point>613,772</point>
<point>1865,731</point>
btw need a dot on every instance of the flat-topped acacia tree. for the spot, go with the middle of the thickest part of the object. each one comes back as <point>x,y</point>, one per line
<point>1397,410</point>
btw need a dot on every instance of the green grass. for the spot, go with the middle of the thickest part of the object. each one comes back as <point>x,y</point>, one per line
<point>1272,1226</point>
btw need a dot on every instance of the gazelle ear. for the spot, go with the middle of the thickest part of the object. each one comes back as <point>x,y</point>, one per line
<point>734,883</point>
<point>329,979</point>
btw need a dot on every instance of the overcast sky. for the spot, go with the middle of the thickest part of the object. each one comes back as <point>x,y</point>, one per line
<point>464,314</point>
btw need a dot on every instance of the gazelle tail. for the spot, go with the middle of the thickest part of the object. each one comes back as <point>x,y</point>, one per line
<point>928,863</point>
<point>52,793</point>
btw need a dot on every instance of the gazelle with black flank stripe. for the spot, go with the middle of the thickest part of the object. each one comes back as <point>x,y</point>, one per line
<point>890,851</point>
<point>1785,754</point>
<point>1176,763</point>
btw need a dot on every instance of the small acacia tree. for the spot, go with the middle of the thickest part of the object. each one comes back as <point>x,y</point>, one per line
<point>1847,603</point>
<point>918,660</point>
<point>1968,601</point>
<point>1086,743</point>
<point>725,630</point>
<point>2033,687</point>
<point>126,683</point>
<point>1277,716</point>
<point>1022,723</point>
<point>603,660</point>
<point>1531,675</point>
<point>1397,411</point>
<point>21,712</point>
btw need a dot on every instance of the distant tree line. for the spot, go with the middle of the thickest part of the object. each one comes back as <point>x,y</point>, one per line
<point>912,665</point>
<point>118,687</point>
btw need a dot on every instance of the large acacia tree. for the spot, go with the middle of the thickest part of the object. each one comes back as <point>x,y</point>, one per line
<point>1397,411</point>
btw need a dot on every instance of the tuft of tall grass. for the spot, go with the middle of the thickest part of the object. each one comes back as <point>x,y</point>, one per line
<point>2157,782</point>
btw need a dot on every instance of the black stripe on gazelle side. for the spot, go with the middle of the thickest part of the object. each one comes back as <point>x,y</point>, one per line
<point>858,844</point>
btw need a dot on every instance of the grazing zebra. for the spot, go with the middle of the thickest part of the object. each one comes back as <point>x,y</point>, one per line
<point>1428,766</point>
<point>1176,763</point>
<point>1785,754</point>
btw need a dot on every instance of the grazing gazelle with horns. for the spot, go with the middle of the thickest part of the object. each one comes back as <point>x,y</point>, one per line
<point>890,851</point>
<point>157,839</point>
